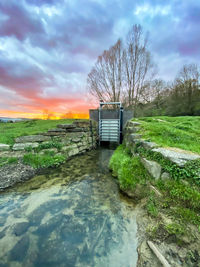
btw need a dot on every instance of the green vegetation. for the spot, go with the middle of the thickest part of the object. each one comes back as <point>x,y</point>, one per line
<point>180,132</point>
<point>190,171</point>
<point>6,160</point>
<point>129,169</point>
<point>48,145</point>
<point>8,131</point>
<point>152,206</point>
<point>46,160</point>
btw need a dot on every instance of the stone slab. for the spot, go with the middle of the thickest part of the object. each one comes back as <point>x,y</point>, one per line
<point>4,147</point>
<point>23,146</point>
<point>32,139</point>
<point>176,155</point>
<point>66,126</point>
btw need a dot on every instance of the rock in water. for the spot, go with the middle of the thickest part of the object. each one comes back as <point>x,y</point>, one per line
<point>20,228</point>
<point>20,249</point>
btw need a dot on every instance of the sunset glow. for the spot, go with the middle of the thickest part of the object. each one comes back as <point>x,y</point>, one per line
<point>47,48</point>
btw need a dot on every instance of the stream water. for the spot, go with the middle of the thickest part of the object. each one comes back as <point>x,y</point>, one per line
<point>70,216</point>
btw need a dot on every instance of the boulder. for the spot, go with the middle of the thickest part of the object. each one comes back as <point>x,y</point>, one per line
<point>23,146</point>
<point>32,139</point>
<point>176,155</point>
<point>152,167</point>
<point>4,147</point>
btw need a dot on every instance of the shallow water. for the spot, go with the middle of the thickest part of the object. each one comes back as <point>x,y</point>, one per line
<point>70,216</point>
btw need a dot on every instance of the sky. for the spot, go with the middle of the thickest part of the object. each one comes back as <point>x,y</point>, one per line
<point>47,47</point>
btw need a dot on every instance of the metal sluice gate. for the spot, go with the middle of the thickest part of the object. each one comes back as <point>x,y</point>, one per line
<point>110,122</point>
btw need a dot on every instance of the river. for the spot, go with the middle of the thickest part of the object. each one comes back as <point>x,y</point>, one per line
<point>70,216</point>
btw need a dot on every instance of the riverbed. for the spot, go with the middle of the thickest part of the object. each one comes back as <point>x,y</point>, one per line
<point>70,216</point>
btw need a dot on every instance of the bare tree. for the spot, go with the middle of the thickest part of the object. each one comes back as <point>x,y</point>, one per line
<point>121,73</point>
<point>105,79</point>
<point>137,63</point>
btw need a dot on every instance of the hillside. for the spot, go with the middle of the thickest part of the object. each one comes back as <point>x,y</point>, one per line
<point>180,132</point>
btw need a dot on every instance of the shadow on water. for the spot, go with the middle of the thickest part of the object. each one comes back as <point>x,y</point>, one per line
<point>70,216</point>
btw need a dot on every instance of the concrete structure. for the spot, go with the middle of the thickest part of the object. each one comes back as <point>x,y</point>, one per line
<point>111,122</point>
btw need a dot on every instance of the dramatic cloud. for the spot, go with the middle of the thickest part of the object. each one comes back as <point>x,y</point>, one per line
<point>47,47</point>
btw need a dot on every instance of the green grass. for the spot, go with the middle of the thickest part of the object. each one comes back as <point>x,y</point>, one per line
<point>46,160</point>
<point>128,169</point>
<point>180,132</point>
<point>6,160</point>
<point>9,131</point>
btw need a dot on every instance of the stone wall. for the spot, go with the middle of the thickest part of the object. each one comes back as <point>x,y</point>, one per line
<point>133,140</point>
<point>65,139</point>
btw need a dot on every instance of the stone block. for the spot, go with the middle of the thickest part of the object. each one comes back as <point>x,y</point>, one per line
<point>152,167</point>
<point>23,146</point>
<point>51,133</point>
<point>66,126</point>
<point>57,130</point>
<point>32,139</point>
<point>135,136</point>
<point>176,155</point>
<point>73,152</point>
<point>4,147</point>
<point>78,130</point>
<point>82,123</point>
<point>148,145</point>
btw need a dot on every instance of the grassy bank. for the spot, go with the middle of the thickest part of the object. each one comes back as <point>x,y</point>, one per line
<point>9,131</point>
<point>128,169</point>
<point>178,200</point>
<point>180,132</point>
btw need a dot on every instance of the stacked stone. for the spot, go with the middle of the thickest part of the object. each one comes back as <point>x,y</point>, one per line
<point>132,139</point>
<point>74,138</point>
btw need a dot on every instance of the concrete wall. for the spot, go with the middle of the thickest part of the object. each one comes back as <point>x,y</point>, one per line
<point>111,114</point>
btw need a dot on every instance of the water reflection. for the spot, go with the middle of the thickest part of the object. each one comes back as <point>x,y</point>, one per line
<point>71,216</point>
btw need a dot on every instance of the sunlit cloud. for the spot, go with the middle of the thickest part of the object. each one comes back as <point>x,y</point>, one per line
<point>47,47</point>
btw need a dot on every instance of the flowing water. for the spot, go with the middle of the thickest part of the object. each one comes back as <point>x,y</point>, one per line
<point>70,216</point>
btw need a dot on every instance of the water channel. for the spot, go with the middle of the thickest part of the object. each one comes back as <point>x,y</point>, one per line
<point>70,216</point>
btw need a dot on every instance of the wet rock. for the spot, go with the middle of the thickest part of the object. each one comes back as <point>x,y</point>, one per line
<point>2,220</point>
<point>57,253</point>
<point>152,167</point>
<point>20,249</point>
<point>23,146</point>
<point>4,147</point>
<point>2,234</point>
<point>32,139</point>
<point>176,155</point>
<point>13,173</point>
<point>20,228</point>
<point>146,257</point>
<point>73,233</point>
